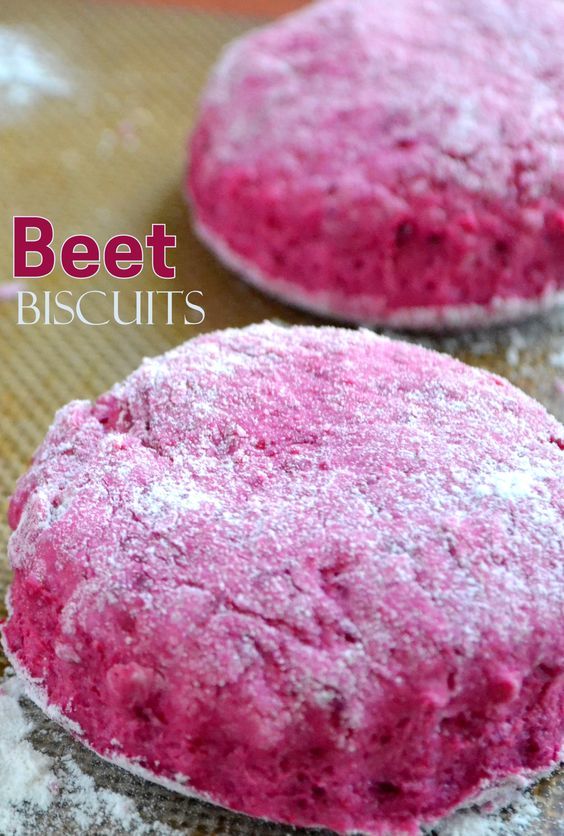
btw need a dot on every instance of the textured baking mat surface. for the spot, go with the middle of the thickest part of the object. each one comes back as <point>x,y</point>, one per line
<point>96,101</point>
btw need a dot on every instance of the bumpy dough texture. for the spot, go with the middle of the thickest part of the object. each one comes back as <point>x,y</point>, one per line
<point>391,162</point>
<point>316,572</point>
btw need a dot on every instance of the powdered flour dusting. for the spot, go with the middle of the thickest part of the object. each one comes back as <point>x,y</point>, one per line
<point>520,821</point>
<point>34,784</point>
<point>25,775</point>
<point>27,73</point>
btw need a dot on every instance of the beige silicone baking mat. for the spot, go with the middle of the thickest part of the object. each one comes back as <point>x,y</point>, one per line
<point>96,101</point>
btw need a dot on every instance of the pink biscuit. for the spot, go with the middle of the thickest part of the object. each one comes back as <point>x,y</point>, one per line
<point>313,575</point>
<point>396,163</point>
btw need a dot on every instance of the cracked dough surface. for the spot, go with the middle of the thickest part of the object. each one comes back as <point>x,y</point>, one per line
<point>310,574</point>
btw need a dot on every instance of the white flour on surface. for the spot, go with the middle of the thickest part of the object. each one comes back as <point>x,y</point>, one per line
<point>27,73</point>
<point>32,783</point>
<point>520,821</point>
<point>25,775</point>
<point>512,484</point>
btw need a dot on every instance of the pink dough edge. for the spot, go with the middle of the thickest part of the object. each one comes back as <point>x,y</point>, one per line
<point>449,317</point>
<point>494,794</point>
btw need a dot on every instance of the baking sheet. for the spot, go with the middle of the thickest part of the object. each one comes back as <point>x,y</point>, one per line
<point>96,142</point>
